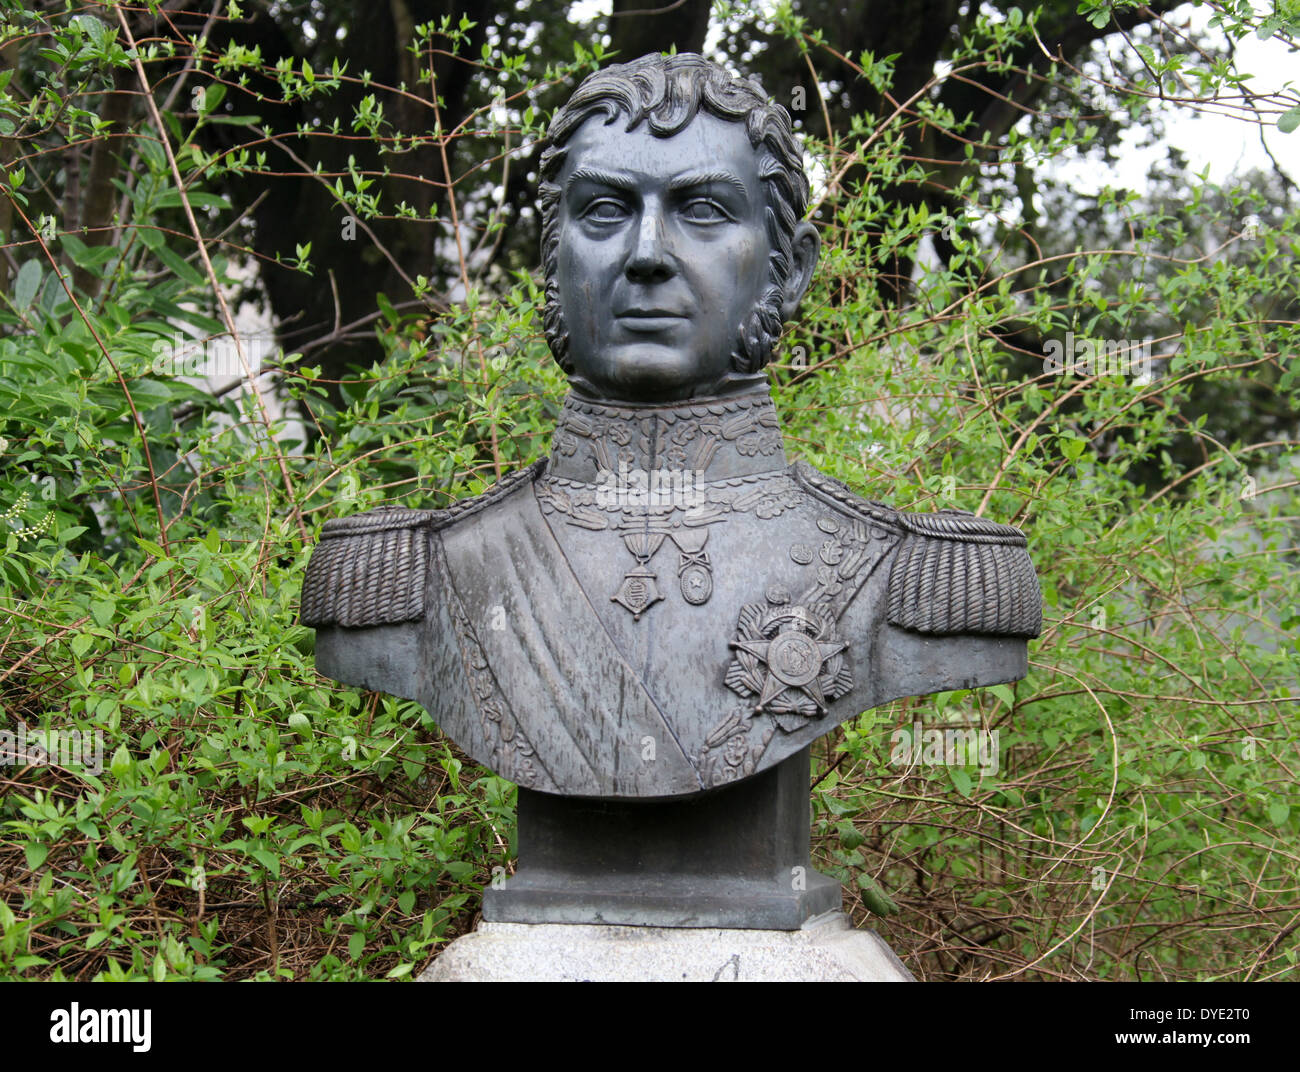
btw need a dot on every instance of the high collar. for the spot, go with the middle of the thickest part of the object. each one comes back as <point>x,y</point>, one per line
<point>715,438</point>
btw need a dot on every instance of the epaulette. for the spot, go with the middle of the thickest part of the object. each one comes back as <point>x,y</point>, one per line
<point>958,573</point>
<point>370,569</point>
<point>836,493</point>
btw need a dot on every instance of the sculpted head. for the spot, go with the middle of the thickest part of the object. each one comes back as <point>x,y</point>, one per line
<point>673,239</point>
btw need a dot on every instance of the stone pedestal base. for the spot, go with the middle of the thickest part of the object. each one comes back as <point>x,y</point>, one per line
<point>826,949</point>
<point>735,856</point>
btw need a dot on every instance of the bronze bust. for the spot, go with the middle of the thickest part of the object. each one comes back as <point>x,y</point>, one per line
<point>665,604</point>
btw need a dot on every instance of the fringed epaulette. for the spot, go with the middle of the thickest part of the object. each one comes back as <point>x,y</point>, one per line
<point>958,573</point>
<point>368,569</point>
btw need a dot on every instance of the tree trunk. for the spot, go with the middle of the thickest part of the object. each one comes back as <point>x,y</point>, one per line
<point>639,27</point>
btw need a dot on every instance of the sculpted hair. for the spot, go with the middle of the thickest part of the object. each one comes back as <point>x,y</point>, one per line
<point>667,92</point>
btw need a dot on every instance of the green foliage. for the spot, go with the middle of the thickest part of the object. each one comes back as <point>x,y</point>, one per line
<point>250,819</point>
<point>150,601</point>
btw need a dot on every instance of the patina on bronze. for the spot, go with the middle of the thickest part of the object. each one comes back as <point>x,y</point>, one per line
<point>647,628</point>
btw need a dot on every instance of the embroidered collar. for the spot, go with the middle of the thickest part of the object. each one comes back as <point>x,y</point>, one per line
<point>713,438</point>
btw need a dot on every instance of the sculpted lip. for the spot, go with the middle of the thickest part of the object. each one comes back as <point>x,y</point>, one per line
<point>648,321</point>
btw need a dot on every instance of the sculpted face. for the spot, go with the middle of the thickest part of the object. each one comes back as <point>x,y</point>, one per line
<point>663,253</point>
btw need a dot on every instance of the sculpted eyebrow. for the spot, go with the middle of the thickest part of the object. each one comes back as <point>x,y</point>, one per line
<point>703,178</point>
<point>617,181</point>
<point>601,178</point>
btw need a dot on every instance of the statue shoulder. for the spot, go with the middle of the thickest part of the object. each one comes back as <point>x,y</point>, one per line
<point>952,572</point>
<point>370,568</point>
<point>510,484</point>
<point>840,498</point>
<point>958,573</point>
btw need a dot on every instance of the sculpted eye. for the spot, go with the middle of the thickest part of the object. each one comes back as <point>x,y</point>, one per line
<point>704,210</point>
<point>606,210</point>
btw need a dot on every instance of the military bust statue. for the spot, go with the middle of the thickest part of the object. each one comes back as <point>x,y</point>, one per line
<point>665,604</point>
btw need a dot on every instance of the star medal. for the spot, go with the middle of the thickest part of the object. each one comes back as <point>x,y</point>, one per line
<point>791,659</point>
<point>639,592</point>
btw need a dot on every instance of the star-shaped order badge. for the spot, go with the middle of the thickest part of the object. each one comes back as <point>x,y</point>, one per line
<point>791,659</point>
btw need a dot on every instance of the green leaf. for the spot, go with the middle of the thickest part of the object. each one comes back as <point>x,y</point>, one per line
<point>236,120</point>
<point>350,838</point>
<point>1073,447</point>
<point>27,284</point>
<point>267,859</point>
<point>36,852</point>
<point>213,96</point>
<point>460,870</point>
<point>1004,693</point>
<point>1278,813</point>
<point>196,198</point>
<point>151,547</point>
<point>876,899</point>
<point>121,763</point>
<point>183,269</point>
<point>103,611</point>
<point>1289,120</point>
<point>150,237</point>
<point>148,393</point>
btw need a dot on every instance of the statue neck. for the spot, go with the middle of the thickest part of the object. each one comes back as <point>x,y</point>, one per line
<point>715,438</point>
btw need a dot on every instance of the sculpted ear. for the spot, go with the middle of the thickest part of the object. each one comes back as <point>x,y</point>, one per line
<point>803,256</point>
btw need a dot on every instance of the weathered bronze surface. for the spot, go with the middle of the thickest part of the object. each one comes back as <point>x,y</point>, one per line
<point>665,605</point>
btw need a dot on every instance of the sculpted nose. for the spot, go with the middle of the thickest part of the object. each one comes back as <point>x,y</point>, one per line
<point>649,259</point>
